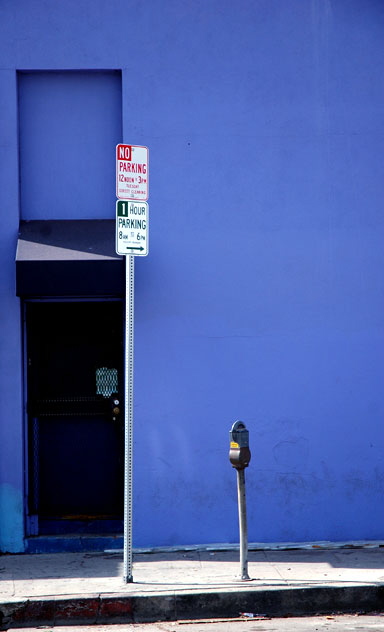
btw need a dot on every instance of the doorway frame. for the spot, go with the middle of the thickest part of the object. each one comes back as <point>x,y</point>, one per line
<point>31,521</point>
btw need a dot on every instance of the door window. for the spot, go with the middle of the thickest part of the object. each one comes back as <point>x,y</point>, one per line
<point>106,381</point>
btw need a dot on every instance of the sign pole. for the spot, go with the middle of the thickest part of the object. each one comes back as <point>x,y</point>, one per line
<point>128,415</point>
<point>131,240</point>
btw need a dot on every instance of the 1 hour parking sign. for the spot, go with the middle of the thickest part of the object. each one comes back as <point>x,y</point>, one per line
<point>131,172</point>
<point>131,227</point>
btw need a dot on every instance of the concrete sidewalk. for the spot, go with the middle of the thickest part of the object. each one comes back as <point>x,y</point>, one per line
<point>63,588</point>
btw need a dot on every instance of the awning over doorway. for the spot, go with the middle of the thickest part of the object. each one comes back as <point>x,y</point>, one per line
<point>68,258</point>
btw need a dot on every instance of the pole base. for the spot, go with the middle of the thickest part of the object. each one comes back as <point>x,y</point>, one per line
<point>244,578</point>
<point>128,580</point>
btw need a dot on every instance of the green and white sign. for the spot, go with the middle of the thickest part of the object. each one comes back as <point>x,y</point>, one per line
<point>131,227</point>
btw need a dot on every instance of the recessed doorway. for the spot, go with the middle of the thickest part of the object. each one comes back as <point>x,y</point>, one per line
<point>75,455</point>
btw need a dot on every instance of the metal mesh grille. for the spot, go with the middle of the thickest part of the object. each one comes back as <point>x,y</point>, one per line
<point>106,381</point>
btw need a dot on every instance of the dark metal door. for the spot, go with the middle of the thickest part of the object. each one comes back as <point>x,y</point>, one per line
<point>75,434</point>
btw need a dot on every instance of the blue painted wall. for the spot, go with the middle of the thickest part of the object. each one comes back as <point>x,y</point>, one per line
<point>11,400</point>
<point>67,125</point>
<point>262,297</point>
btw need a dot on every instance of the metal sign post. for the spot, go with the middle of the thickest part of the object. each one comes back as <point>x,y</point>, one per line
<point>131,240</point>
<point>128,457</point>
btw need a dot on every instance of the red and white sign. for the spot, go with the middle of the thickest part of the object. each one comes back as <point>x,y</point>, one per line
<point>131,172</point>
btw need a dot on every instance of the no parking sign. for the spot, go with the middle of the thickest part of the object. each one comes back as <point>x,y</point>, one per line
<point>131,172</point>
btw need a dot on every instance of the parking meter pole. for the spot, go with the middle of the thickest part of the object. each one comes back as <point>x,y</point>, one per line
<point>242,524</point>
<point>128,408</point>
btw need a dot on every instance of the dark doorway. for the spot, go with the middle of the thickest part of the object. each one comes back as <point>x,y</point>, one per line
<point>75,418</point>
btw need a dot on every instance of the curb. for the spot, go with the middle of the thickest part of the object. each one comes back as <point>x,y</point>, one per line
<point>106,608</point>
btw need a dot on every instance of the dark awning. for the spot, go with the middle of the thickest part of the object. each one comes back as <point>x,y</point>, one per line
<point>68,258</point>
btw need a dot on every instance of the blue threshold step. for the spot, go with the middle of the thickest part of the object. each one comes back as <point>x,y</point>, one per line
<point>73,543</point>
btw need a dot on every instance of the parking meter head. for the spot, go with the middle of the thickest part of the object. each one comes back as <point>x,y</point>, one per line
<point>239,452</point>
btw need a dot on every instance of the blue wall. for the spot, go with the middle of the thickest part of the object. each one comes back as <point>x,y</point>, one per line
<point>262,296</point>
<point>11,401</point>
<point>67,125</point>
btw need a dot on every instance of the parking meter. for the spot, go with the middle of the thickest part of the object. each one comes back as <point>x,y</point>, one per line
<point>239,456</point>
<point>239,452</point>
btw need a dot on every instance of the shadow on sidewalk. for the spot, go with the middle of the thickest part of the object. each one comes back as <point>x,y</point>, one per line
<point>184,563</point>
